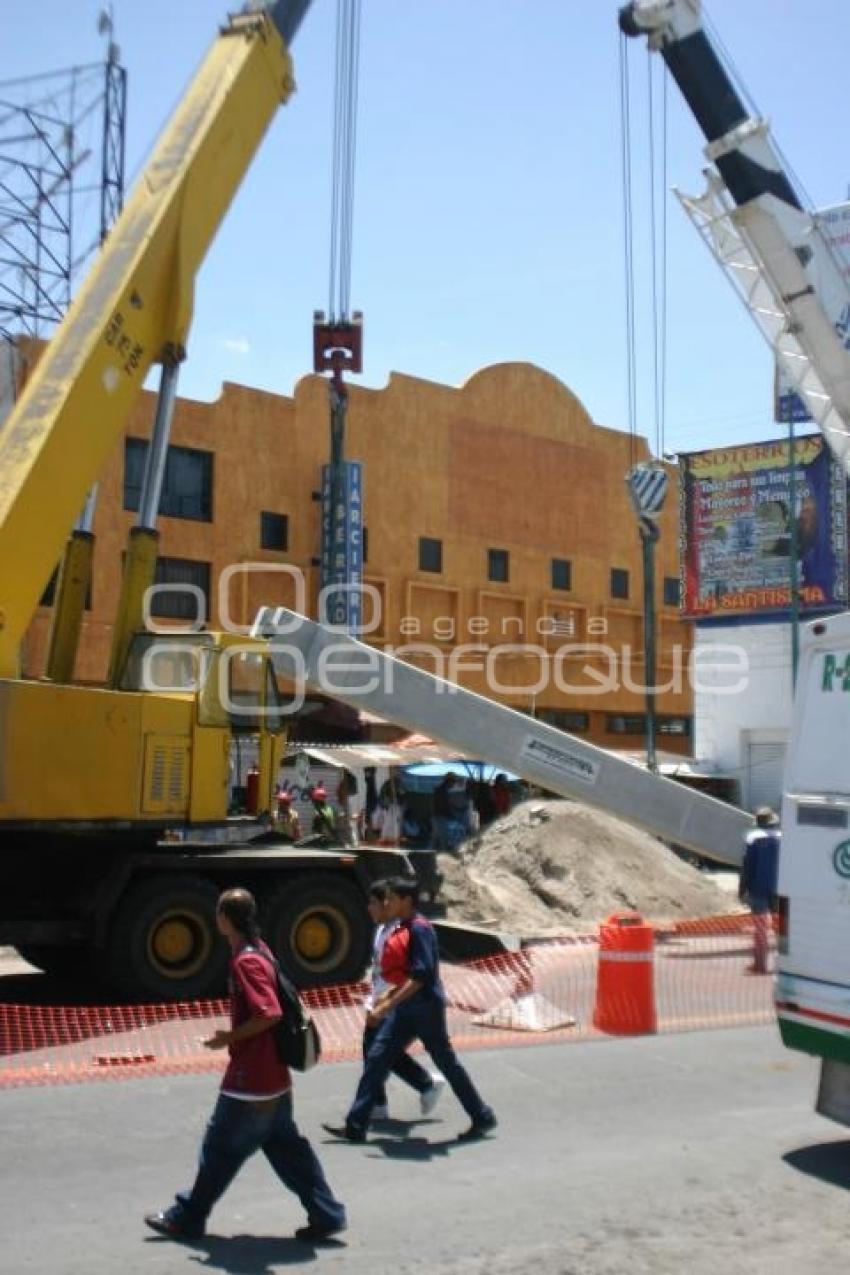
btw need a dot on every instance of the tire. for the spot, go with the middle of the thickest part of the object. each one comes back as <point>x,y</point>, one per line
<point>164,943</point>
<point>319,930</point>
<point>58,961</point>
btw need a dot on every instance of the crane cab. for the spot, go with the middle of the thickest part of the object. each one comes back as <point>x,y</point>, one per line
<point>156,751</point>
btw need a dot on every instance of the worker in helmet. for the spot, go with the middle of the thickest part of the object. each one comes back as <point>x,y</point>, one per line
<point>324,821</point>
<point>287,823</point>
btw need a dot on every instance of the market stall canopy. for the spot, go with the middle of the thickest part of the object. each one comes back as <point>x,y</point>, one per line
<point>423,776</point>
<point>413,748</point>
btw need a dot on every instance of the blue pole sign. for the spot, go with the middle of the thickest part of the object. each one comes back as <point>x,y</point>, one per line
<point>342,546</point>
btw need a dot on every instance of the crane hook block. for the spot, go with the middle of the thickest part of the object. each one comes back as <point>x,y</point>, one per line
<point>337,347</point>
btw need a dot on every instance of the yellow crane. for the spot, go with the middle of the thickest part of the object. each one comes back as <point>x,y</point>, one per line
<point>92,779</point>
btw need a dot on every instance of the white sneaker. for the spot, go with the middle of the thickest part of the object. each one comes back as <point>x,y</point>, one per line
<point>381,1113</point>
<point>429,1099</point>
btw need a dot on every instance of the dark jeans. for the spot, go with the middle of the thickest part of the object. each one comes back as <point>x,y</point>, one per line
<point>416,1019</point>
<point>405,1067</point>
<point>236,1130</point>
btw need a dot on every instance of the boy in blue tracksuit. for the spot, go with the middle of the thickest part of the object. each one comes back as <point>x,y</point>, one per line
<point>406,1068</point>
<point>413,1009</point>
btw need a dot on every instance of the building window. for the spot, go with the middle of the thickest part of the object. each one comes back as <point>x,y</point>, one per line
<point>625,724</point>
<point>674,726</point>
<point>635,724</point>
<point>274,531</point>
<point>562,573</point>
<point>181,604</point>
<point>49,596</point>
<point>672,591</point>
<point>619,582</point>
<point>186,485</point>
<point>430,554</point>
<point>564,720</point>
<point>498,565</point>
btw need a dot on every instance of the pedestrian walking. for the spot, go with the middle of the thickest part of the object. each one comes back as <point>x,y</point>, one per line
<point>415,1009</point>
<point>370,801</point>
<point>500,795</point>
<point>483,802</point>
<point>442,814</point>
<point>457,823</point>
<point>346,797</point>
<point>254,1107</point>
<point>388,816</point>
<point>406,1068</point>
<point>758,882</point>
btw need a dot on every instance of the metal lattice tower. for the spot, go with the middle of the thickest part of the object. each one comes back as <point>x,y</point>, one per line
<point>112,152</point>
<point>62,143</point>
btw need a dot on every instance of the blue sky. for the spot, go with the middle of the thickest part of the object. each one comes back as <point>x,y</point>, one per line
<point>488,218</point>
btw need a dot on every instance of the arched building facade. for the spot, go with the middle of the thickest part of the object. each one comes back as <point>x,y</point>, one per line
<point>500,544</point>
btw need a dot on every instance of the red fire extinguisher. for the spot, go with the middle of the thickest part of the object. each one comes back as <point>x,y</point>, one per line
<point>252,791</point>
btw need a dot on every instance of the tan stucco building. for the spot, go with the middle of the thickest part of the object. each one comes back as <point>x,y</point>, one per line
<point>496,516</point>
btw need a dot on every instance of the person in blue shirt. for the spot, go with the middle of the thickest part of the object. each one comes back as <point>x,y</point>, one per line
<point>758,882</point>
<point>414,1008</point>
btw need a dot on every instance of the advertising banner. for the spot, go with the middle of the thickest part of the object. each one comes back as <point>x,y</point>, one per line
<point>342,546</point>
<point>830,274</point>
<point>736,529</point>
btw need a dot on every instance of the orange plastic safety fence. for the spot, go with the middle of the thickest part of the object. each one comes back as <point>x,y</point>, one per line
<point>548,991</point>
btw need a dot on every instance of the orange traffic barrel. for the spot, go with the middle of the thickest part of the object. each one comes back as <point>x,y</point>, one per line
<point>625,978</point>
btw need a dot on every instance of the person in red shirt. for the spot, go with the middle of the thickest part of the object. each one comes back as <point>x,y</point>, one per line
<point>500,795</point>
<point>254,1108</point>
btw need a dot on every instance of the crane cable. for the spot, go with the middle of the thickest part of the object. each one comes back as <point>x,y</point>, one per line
<point>344,153</point>
<point>657,254</point>
<point>628,245</point>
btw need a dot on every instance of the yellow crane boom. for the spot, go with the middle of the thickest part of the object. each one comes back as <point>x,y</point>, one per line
<point>135,306</point>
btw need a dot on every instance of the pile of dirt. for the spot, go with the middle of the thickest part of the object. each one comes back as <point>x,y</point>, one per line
<point>555,867</point>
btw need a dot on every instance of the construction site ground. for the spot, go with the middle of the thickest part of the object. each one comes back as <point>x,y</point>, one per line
<point>693,1152</point>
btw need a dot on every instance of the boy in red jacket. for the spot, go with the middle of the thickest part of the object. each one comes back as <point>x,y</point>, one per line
<point>254,1108</point>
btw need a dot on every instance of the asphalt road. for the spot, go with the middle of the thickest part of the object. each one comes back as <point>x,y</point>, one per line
<point>697,1152</point>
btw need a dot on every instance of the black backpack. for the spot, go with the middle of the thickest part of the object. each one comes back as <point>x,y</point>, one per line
<point>296,1036</point>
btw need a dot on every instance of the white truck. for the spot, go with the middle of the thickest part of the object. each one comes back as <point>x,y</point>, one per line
<point>813,984</point>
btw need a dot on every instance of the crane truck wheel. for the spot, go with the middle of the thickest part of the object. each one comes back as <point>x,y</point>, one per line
<point>320,931</point>
<point>163,941</point>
